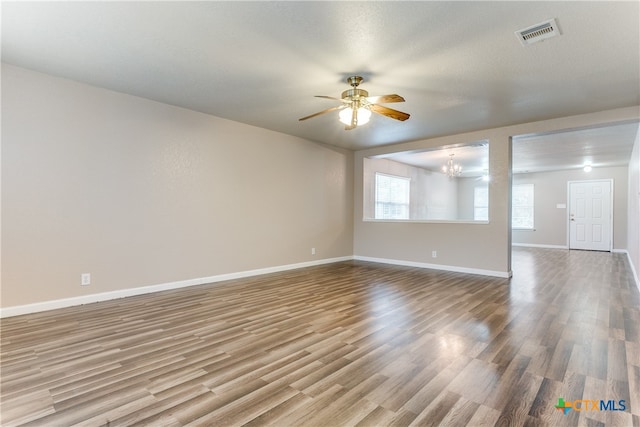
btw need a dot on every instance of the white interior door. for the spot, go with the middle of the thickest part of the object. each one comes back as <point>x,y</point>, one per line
<point>590,216</point>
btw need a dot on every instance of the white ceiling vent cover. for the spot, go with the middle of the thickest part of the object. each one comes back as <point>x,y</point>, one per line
<point>538,32</point>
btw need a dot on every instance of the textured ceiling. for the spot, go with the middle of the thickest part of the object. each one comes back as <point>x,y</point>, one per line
<point>458,64</point>
<point>605,146</point>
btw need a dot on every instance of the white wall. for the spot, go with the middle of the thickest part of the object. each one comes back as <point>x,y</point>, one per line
<point>466,195</point>
<point>432,194</point>
<point>550,189</point>
<point>141,193</point>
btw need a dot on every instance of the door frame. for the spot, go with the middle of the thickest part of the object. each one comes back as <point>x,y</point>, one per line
<point>568,220</point>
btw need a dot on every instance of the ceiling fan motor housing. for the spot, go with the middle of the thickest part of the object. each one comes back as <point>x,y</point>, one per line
<point>354,94</point>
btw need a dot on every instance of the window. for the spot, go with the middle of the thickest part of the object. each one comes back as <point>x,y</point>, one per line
<point>481,204</point>
<point>522,206</point>
<point>392,197</point>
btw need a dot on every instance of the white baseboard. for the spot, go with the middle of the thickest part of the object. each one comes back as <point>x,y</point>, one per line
<point>503,274</point>
<point>105,296</point>
<point>633,269</point>
<point>534,245</point>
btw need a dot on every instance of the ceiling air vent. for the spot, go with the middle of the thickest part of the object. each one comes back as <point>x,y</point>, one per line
<point>538,32</point>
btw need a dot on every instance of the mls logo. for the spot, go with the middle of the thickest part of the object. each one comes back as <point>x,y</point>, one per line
<point>563,406</point>
<point>590,405</point>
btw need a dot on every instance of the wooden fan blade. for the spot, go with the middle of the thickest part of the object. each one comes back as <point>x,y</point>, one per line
<point>389,112</point>
<point>328,110</point>
<point>384,99</point>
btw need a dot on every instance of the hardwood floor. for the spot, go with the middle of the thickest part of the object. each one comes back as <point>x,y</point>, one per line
<point>346,344</point>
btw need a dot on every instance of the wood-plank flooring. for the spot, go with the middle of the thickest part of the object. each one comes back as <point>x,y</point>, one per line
<point>345,344</point>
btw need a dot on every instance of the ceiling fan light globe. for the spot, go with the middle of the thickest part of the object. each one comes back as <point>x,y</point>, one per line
<point>363,116</point>
<point>345,116</point>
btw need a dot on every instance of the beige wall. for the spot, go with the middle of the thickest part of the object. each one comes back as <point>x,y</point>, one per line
<point>550,189</point>
<point>459,245</point>
<point>633,218</point>
<point>472,246</point>
<point>141,193</point>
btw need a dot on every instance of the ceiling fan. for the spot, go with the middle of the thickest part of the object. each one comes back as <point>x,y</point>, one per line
<point>357,105</point>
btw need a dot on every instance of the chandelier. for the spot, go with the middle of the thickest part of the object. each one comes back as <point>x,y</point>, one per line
<point>451,169</point>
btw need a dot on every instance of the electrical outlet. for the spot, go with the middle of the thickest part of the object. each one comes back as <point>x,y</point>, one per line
<point>313,251</point>
<point>434,254</point>
<point>85,279</point>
